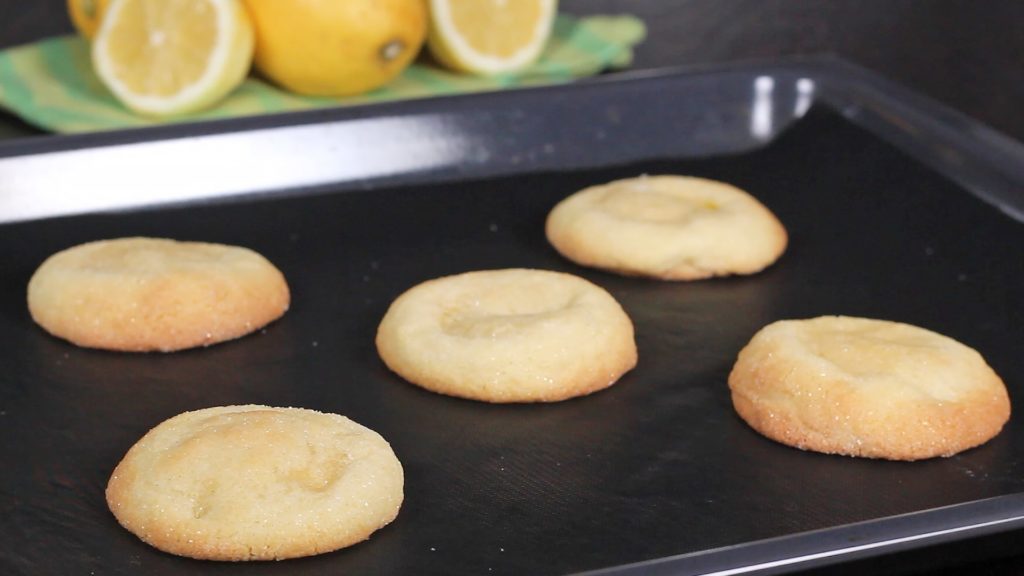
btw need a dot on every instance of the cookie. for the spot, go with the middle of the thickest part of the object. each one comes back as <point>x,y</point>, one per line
<point>667,227</point>
<point>256,483</point>
<point>508,336</point>
<point>148,294</point>
<point>869,388</point>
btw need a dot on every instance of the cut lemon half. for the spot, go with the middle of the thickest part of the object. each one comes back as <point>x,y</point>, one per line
<point>166,57</point>
<point>489,36</point>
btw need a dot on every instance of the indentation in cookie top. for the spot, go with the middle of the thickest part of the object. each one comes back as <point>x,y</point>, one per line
<point>506,310</point>
<point>889,355</point>
<point>235,445</point>
<point>150,256</point>
<point>639,200</point>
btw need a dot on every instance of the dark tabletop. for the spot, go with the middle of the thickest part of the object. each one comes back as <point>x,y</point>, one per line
<point>966,54</point>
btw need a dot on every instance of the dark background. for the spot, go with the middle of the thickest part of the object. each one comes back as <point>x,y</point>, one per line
<point>966,54</point>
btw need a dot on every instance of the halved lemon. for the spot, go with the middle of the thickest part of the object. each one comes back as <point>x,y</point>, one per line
<point>489,36</point>
<point>166,57</point>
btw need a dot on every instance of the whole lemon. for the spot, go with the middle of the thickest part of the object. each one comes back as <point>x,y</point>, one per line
<point>86,14</point>
<point>336,47</point>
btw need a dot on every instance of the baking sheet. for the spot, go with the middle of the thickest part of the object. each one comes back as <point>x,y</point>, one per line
<point>654,467</point>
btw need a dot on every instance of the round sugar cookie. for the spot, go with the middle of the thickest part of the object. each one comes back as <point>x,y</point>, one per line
<point>512,335</point>
<point>666,227</point>
<point>869,388</point>
<point>256,483</point>
<point>146,294</point>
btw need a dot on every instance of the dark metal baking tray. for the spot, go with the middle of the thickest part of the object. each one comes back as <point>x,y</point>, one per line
<point>896,208</point>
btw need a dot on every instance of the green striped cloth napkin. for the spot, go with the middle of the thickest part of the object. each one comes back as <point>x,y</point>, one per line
<point>50,84</point>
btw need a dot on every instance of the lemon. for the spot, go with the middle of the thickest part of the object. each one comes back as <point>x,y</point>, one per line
<point>489,36</point>
<point>86,15</point>
<point>164,57</point>
<point>336,47</point>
